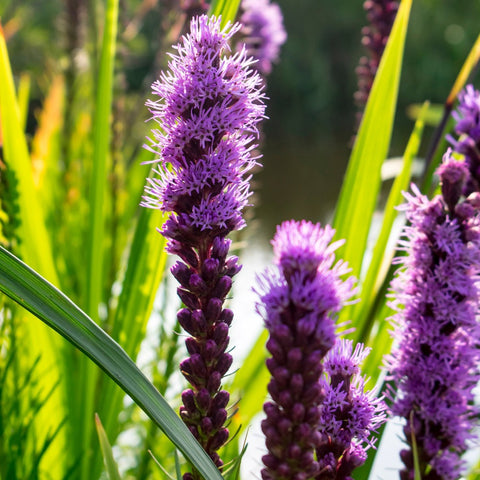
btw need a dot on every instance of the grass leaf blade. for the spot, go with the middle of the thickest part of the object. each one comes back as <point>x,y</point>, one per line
<point>34,247</point>
<point>362,181</point>
<point>31,291</point>
<point>381,259</point>
<point>110,464</point>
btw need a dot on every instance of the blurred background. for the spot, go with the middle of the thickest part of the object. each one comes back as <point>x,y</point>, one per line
<point>311,110</point>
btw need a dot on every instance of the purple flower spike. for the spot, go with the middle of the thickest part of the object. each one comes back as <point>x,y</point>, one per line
<point>349,414</point>
<point>380,15</point>
<point>208,109</point>
<point>263,32</point>
<point>467,118</point>
<point>297,302</point>
<point>434,366</point>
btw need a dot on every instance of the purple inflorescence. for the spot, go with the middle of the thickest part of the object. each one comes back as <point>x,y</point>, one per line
<point>380,15</point>
<point>263,32</point>
<point>434,365</point>
<point>349,414</point>
<point>208,109</point>
<point>467,118</point>
<point>297,302</point>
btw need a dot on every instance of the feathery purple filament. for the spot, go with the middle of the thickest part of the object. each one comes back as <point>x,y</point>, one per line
<point>262,32</point>
<point>349,414</point>
<point>208,109</point>
<point>467,126</point>
<point>297,302</point>
<point>434,366</point>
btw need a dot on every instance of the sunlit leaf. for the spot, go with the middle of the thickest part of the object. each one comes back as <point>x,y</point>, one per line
<point>110,464</point>
<point>226,8</point>
<point>381,256</point>
<point>34,293</point>
<point>361,185</point>
<point>95,252</point>
<point>34,247</point>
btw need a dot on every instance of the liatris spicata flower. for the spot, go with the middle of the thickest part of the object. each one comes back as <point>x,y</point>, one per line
<point>297,302</point>
<point>263,32</point>
<point>434,365</point>
<point>208,110</point>
<point>467,118</point>
<point>380,15</point>
<point>349,414</point>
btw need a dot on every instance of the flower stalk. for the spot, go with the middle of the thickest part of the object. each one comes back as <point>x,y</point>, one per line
<point>298,302</point>
<point>434,366</point>
<point>349,413</point>
<point>208,109</point>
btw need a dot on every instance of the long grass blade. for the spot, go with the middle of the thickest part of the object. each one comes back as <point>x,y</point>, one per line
<point>381,258</point>
<point>34,247</point>
<point>101,141</point>
<point>110,464</point>
<point>23,98</point>
<point>146,265</point>
<point>226,8</point>
<point>437,145</point>
<point>96,241</point>
<point>362,181</point>
<point>250,382</point>
<point>470,63</point>
<point>31,291</point>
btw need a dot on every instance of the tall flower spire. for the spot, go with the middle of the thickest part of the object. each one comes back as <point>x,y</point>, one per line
<point>349,414</point>
<point>298,302</point>
<point>262,32</point>
<point>208,109</point>
<point>380,15</point>
<point>467,127</point>
<point>434,366</point>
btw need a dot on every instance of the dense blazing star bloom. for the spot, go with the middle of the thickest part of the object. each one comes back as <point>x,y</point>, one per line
<point>298,302</point>
<point>208,109</point>
<point>380,15</point>
<point>434,366</point>
<point>467,126</point>
<point>349,414</point>
<point>263,32</point>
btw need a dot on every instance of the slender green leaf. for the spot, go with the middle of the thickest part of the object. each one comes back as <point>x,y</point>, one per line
<point>35,243</point>
<point>416,461</point>
<point>34,293</point>
<point>362,181</point>
<point>178,471</point>
<point>250,383</point>
<point>432,116</point>
<point>474,473</point>
<point>164,470</point>
<point>23,97</point>
<point>438,143</point>
<point>96,241</point>
<point>110,464</point>
<point>226,8</point>
<point>233,472</point>
<point>101,142</point>
<point>34,247</point>
<point>470,63</point>
<point>381,258</point>
<point>146,265</point>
